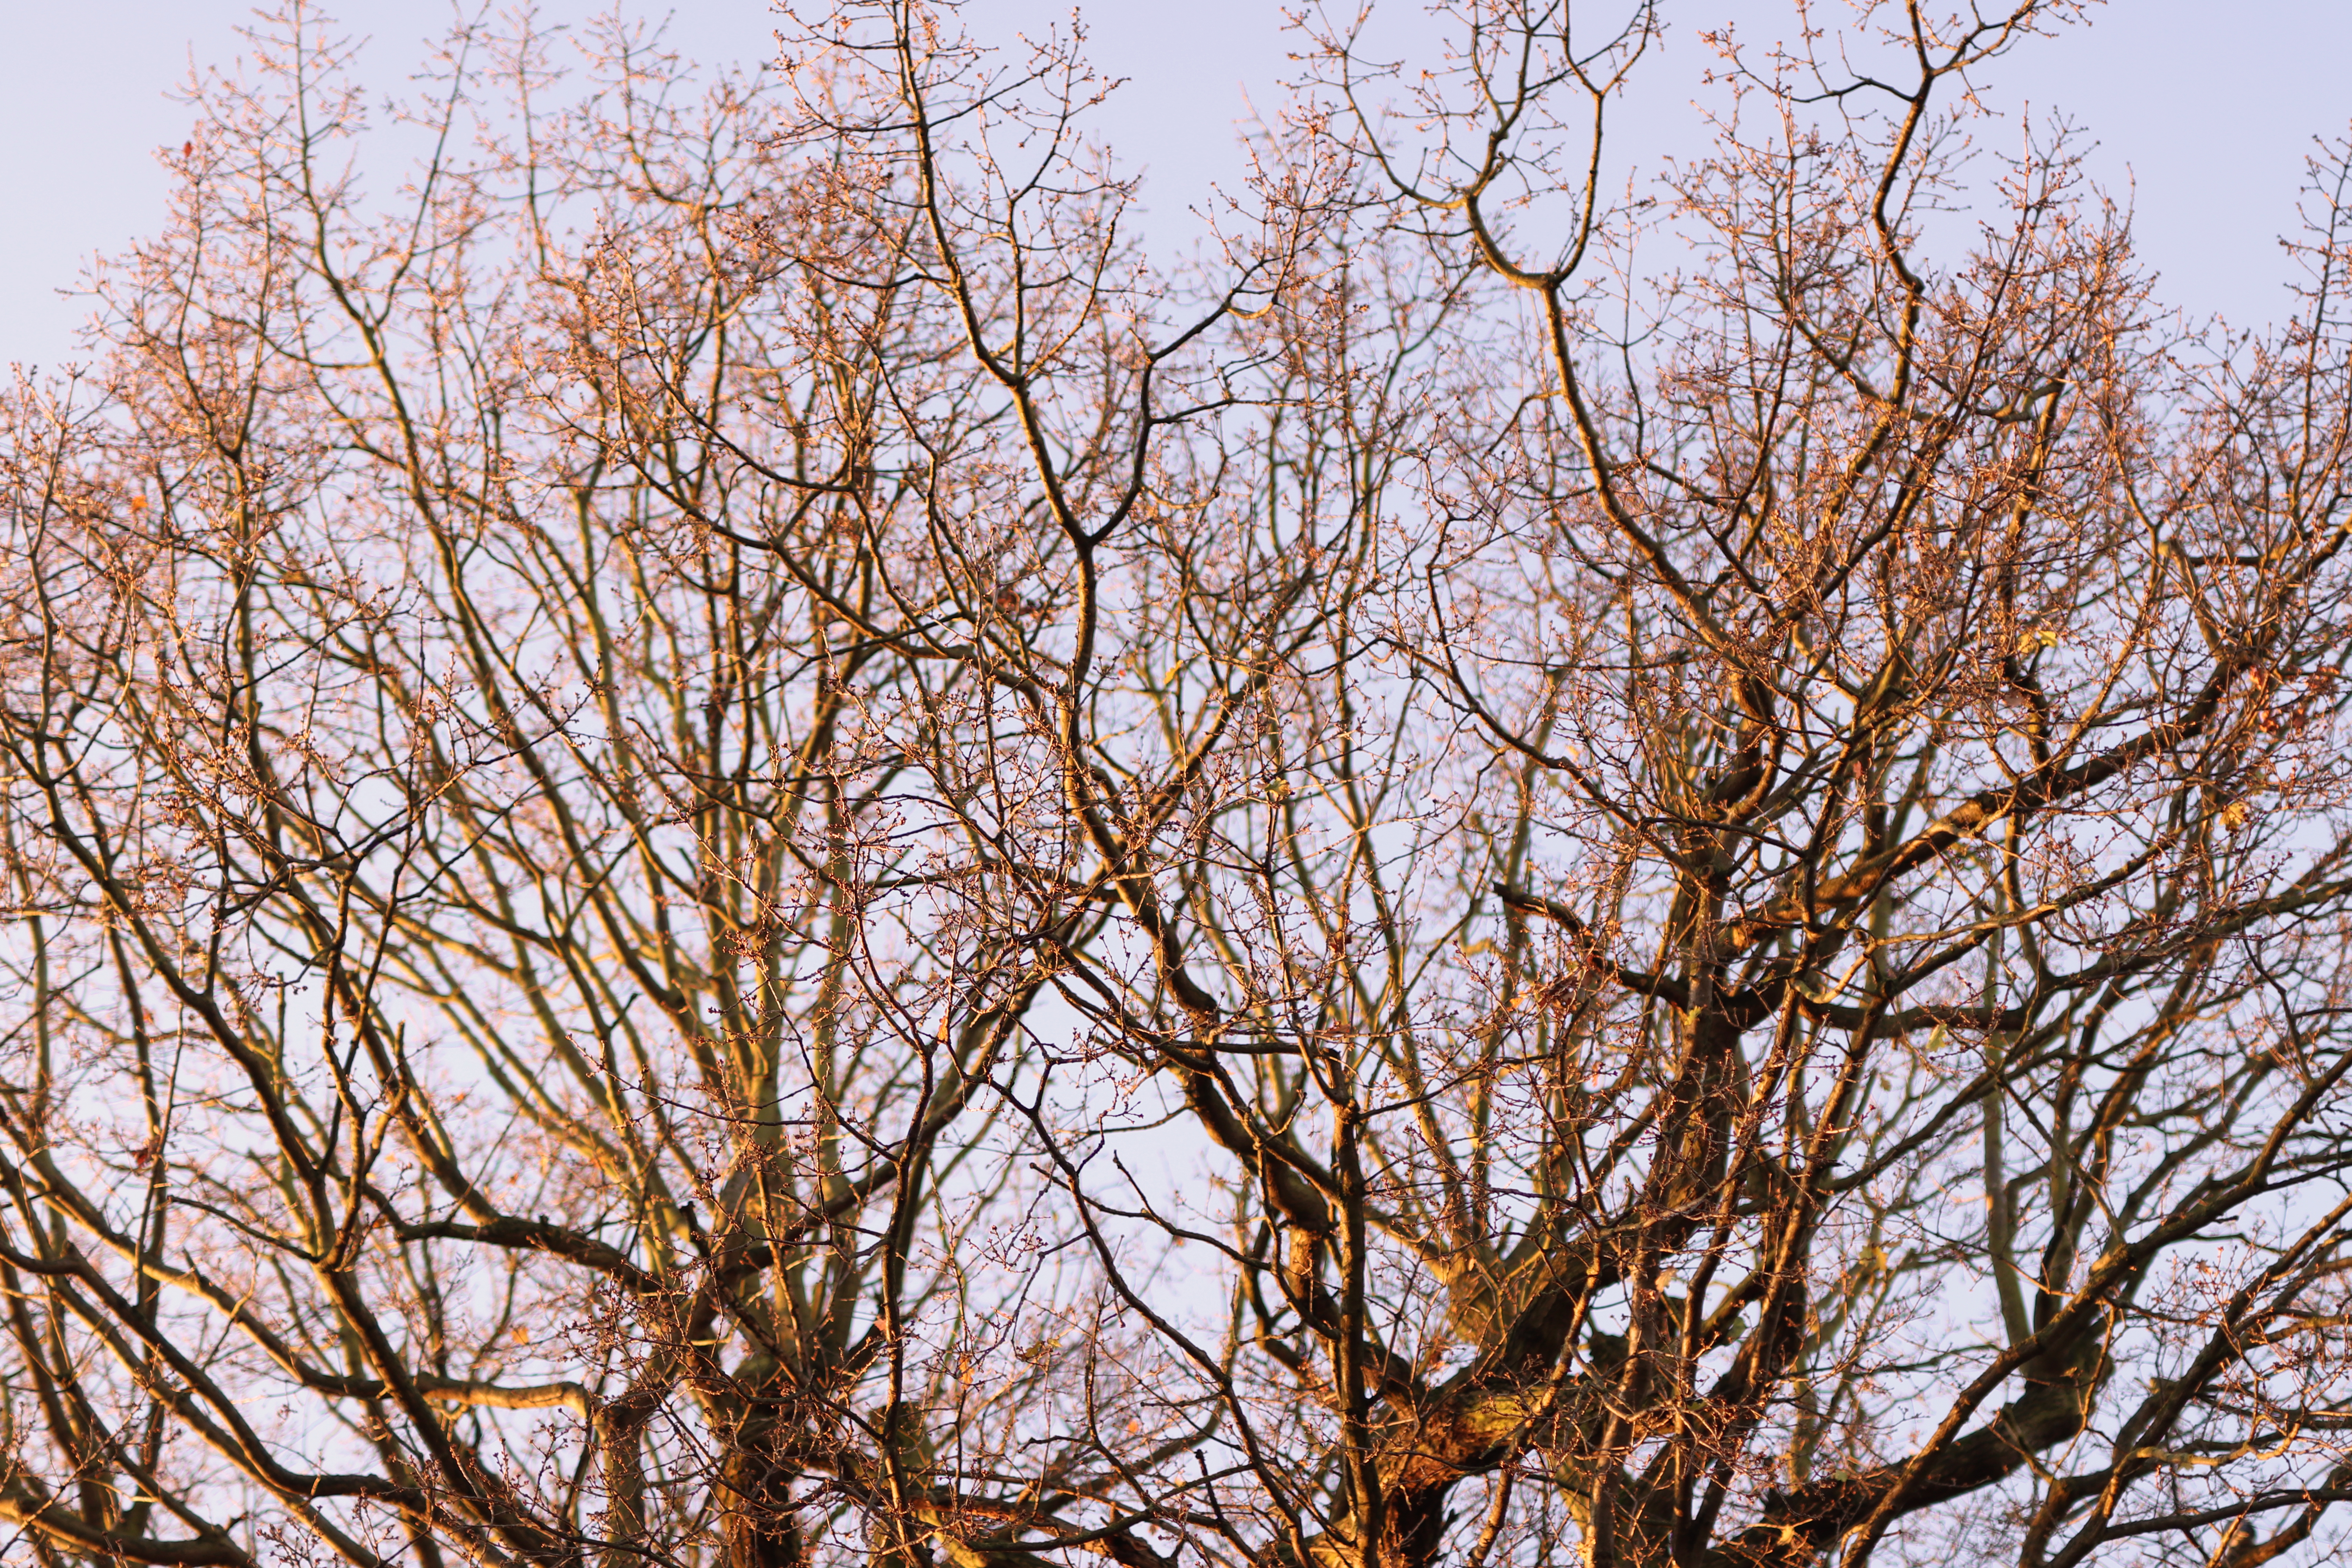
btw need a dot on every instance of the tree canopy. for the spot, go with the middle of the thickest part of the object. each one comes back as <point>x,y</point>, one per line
<point>726,844</point>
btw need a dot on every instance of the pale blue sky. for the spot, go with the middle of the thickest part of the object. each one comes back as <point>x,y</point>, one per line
<point>2204,111</point>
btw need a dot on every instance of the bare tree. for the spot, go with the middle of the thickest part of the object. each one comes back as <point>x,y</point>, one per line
<point>726,846</point>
